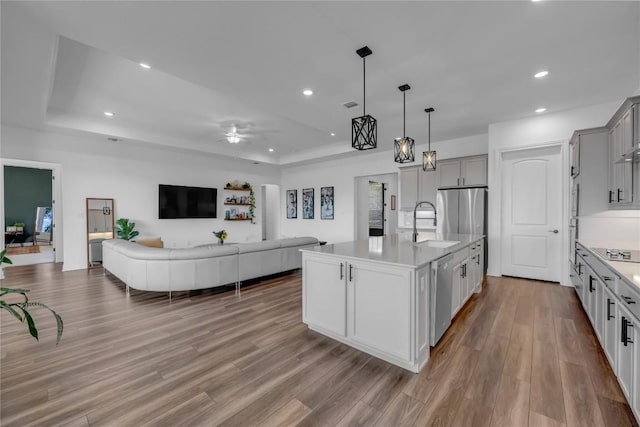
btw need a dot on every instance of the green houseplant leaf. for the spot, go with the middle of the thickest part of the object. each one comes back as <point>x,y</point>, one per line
<point>125,229</point>
<point>16,307</point>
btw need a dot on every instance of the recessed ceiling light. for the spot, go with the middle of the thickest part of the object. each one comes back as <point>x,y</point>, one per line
<point>145,66</point>
<point>535,1</point>
<point>333,134</point>
<point>109,114</point>
<point>541,110</point>
<point>541,74</point>
<point>307,92</point>
<point>271,150</point>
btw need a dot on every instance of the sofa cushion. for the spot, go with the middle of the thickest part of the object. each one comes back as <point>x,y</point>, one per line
<point>154,242</point>
<point>298,241</point>
<point>265,245</point>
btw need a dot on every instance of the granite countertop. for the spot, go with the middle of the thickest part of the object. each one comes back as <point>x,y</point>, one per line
<point>398,249</point>
<point>629,271</point>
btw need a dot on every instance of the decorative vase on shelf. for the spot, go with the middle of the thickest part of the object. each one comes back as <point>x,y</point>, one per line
<point>220,242</point>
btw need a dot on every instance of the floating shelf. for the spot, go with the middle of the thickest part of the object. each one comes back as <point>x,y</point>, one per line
<point>237,189</point>
<point>237,204</point>
<point>237,219</point>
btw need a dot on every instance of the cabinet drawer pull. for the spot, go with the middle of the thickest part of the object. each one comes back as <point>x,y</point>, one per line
<point>462,181</point>
<point>619,191</point>
<point>610,196</point>
<point>628,300</point>
<point>590,283</point>
<point>341,271</point>
<point>609,315</point>
<point>351,272</point>
<point>458,182</point>
<point>607,278</point>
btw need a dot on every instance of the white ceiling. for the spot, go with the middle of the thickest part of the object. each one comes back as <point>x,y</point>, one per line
<point>215,64</point>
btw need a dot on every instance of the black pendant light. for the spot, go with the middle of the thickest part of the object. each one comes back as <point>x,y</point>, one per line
<point>364,129</point>
<point>429,157</point>
<point>403,151</point>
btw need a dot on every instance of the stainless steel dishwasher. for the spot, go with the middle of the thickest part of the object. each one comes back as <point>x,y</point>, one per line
<point>440,306</point>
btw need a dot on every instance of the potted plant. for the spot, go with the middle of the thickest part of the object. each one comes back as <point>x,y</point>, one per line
<point>221,235</point>
<point>125,229</point>
<point>19,226</point>
<point>20,309</point>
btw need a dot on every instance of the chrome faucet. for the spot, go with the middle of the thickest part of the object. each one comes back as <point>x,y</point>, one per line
<point>415,227</point>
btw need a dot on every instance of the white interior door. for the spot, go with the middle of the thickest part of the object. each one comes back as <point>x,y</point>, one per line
<point>532,213</point>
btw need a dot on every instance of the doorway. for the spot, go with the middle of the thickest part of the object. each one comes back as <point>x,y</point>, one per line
<point>531,213</point>
<point>376,209</point>
<point>29,213</point>
<point>270,211</point>
<point>374,215</point>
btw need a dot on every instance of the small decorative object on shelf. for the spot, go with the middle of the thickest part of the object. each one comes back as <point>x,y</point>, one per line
<point>234,214</point>
<point>221,235</point>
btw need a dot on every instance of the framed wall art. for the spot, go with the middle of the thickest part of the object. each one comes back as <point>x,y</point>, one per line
<point>307,203</point>
<point>326,203</point>
<point>292,204</point>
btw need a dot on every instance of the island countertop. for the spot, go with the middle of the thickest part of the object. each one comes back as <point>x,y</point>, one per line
<point>398,249</point>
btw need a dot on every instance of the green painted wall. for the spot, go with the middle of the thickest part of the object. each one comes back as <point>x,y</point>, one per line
<point>24,190</point>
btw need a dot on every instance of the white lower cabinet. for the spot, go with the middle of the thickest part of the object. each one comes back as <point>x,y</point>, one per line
<point>610,329</point>
<point>611,305</point>
<point>468,272</point>
<point>325,294</point>
<point>628,358</point>
<point>378,302</point>
<point>456,286</point>
<point>374,307</point>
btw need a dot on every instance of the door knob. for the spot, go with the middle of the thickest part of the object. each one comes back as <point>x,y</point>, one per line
<point>553,231</point>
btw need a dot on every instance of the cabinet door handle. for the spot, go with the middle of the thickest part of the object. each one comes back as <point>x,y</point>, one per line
<point>341,271</point>
<point>351,272</point>
<point>609,315</point>
<point>590,283</point>
<point>607,278</point>
<point>579,269</point>
<point>610,196</point>
<point>572,168</point>
<point>478,259</point>
<point>619,191</point>
<point>462,181</point>
<point>628,300</point>
<point>624,334</point>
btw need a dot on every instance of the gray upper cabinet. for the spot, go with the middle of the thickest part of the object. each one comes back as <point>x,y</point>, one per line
<point>623,166</point>
<point>462,172</point>
<point>408,187</point>
<point>588,149</point>
<point>448,172</point>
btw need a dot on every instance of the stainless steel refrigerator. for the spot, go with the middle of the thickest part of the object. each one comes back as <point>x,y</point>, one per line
<point>463,211</point>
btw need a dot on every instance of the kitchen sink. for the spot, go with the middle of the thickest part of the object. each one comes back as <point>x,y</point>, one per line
<point>437,243</point>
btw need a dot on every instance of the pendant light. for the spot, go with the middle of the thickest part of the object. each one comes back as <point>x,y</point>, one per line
<point>429,157</point>
<point>364,129</point>
<point>403,151</point>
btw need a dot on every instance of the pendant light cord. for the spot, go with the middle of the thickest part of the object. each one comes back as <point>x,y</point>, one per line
<point>364,87</point>
<point>404,109</point>
<point>429,131</point>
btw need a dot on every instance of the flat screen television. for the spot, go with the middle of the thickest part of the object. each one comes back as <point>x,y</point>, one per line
<point>177,201</point>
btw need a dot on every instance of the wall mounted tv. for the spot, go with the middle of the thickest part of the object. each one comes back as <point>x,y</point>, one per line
<point>176,201</point>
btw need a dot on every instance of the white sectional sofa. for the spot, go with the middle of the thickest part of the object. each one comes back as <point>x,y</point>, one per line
<point>207,266</point>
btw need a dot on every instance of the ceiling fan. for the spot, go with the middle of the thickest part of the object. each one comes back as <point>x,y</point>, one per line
<point>236,131</point>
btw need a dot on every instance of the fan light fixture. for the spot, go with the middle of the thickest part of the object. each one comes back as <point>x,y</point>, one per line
<point>429,157</point>
<point>403,150</point>
<point>364,129</point>
<point>233,137</point>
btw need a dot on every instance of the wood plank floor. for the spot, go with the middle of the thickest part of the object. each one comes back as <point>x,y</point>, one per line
<point>520,353</point>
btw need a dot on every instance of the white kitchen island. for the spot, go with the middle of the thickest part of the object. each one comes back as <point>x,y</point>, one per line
<point>374,294</point>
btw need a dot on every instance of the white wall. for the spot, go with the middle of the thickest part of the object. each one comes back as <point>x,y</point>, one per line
<point>272,211</point>
<point>341,174</point>
<point>537,130</point>
<point>130,174</point>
